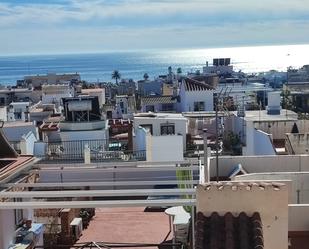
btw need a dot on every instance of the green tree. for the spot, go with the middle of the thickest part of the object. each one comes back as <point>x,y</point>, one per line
<point>179,70</point>
<point>116,76</point>
<point>287,103</point>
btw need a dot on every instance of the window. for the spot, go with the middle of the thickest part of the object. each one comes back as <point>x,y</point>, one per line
<point>167,129</point>
<point>149,108</point>
<point>147,127</point>
<point>123,107</point>
<point>199,106</point>
<point>2,101</point>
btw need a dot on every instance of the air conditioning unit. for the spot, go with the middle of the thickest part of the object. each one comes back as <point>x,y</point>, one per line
<point>77,227</point>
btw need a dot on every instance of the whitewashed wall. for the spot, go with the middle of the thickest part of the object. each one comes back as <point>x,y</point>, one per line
<point>165,148</point>
<point>271,205</point>
<point>180,126</point>
<point>3,113</point>
<point>15,133</point>
<point>299,183</point>
<point>260,164</point>
<point>27,144</point>
<point>257,142</point>
<point>298,220</point>
<point>187,99</point>
<point>139,140</point>
<point>83,135</point>
<point>40,149</point>
<point>278,129</point>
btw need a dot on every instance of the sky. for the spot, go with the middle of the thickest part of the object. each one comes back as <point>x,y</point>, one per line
<point>89,26</point>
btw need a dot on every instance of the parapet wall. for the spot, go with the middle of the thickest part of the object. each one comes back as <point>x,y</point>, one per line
<point>260,164</point>
<point>268,199</point>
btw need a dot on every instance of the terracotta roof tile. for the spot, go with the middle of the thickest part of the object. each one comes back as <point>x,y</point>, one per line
<point>195,85</point>
<point>152,100</point>
<point>229,232</point>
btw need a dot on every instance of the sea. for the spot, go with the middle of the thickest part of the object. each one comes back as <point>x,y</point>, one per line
<point>98,67</point>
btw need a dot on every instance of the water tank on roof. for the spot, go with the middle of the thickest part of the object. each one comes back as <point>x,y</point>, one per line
<point>76,105</point>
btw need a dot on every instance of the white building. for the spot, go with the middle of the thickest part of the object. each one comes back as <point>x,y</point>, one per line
<point>195,96</point>
<point>220,66</point>
<point>161,135</point>
<point>82,125</point>
<point>9,94</point>
<point>98,92</point>
<point>22,136</point>
<point>18,111</point>
<point>245,94</point>
<point>51,78</point>
<point>10,219</point>
<point>3,113</point>
<point>262,132</point>
<point>52,94</point>
<point>125,107</point>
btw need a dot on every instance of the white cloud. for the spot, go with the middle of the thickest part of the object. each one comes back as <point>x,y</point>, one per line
<point>106,39</point>
<point>82,11</point>
<point>77,25</point>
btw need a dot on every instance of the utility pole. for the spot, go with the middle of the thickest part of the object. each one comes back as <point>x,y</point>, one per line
<point>217,139</point>
<point>206,166</point>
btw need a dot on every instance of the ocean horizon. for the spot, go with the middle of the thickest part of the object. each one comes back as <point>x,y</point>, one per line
<point>98,67</point>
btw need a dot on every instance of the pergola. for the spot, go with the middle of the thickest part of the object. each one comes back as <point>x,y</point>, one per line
<point>130,193</point>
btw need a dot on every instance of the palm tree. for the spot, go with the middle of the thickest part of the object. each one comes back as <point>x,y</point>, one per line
<point>170,70</point>
<point>146,76</point>
<point>116,75</point>
<point>179,72</point>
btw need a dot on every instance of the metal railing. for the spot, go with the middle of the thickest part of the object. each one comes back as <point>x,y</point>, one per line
<point>74,149</point>
<point>118,156</point>
<point>100,150</point>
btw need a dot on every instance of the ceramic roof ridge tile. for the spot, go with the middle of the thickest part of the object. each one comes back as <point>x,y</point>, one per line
<point>249,186</point>
<point>158,100</point>
<point>229,231</point>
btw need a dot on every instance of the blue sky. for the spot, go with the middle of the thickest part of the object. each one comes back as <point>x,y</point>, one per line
<point>68,26</point>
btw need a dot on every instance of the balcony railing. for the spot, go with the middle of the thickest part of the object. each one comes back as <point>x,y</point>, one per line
<point>74,149</point>
<point>100,150</point>
<point>118,156</point>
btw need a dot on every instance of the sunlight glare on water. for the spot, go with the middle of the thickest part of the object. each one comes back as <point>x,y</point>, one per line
<point>99,66</point>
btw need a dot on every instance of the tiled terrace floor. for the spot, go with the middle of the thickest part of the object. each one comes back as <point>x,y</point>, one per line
<point>131,225</point>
